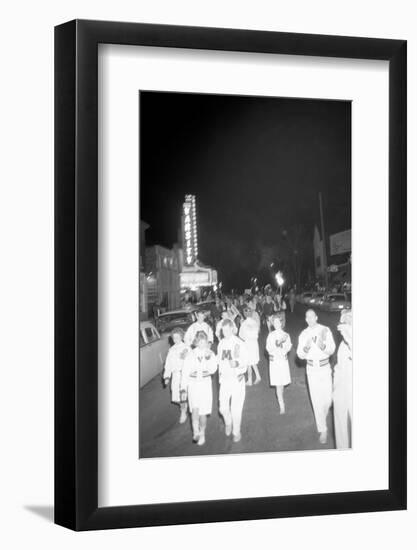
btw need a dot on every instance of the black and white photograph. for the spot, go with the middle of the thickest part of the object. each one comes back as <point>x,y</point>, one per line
<point>208,280</point>
<point>245,291</point>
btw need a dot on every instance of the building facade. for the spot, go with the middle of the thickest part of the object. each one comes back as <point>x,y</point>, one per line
<point>189,230</point>
<point>162,278</point>
<point>339,266</point>
<point>319,267</point>
<point>143,287</point>
<point>194,275</point>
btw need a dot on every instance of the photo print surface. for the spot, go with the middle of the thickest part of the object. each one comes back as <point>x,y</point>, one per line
<point>245,317</point>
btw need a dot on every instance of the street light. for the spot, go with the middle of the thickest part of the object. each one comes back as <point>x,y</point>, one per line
<point>280,281</point>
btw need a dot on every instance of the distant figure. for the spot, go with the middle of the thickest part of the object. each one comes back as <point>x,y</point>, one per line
<point>216,309</point>
<point>342,384</point>
<point>291,300</point>
<point>255,315</point>
<point>249,333</point>
<point>268,309</point>
<point>199,365</point>
<point>241,306</point>
<point>156,306</point>
<point>197,326</point>
<point>219,326</point>
<point>173,369</point>
<point>316,344</point>
<point>278,344</point>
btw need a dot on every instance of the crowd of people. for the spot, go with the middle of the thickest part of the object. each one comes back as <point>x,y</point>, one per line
<point>227,341</point>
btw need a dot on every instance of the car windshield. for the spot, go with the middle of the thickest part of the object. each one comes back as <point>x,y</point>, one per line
<point>319,295</point>
<point>151,335</point>
<point>176,317</point>
<point>349,296</point>
<point>308,295</point>
<point>336,297</point>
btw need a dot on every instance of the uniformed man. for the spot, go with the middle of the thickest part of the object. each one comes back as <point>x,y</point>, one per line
<point>316,345</point>
<point>342,384</point>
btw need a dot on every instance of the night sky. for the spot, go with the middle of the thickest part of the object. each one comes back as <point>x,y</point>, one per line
<point>256,166</point>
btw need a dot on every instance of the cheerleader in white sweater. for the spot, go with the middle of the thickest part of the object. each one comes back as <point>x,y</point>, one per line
<point>278,344</point>
<point>173,370</point>
<point>199,365</point>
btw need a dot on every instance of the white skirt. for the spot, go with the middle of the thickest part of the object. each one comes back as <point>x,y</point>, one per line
<point>175,386</point>
<point>279,372</point>
<point>252,348</point>
<point>200,395</point>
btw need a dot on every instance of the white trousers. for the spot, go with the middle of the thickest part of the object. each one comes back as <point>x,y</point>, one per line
<point>342,407</point>
<point>320,386</point>
<point>231,399</point>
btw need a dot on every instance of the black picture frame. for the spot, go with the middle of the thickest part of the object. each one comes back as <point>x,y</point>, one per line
<point>76,272</point>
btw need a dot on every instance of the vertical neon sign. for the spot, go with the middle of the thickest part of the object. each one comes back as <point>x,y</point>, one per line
<point>189,230</point>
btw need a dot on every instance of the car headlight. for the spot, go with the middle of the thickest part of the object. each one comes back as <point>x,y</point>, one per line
<point>340,307</point>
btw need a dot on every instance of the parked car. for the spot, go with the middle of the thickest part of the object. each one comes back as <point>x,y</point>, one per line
<point>334,302</point>
<point>205,306</point>
<point>152,352</point>
<point>349,299</point>
<point>316,299</point>
<point>181,318</point>
<point>304,297</point>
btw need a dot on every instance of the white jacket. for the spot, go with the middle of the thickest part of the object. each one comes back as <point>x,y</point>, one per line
<point>313,336</point>
<point>175,359</point>
<point>278,344</point>
<point>232,350</point>
<point>198,365</point>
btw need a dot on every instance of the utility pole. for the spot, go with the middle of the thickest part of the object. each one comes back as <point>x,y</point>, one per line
<point>323,236</point>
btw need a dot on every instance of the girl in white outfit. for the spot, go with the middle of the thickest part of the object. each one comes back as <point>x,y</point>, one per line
<point>199,365</point>
<point>173,370</point>
<point>278,344</point>
<point>249,332</point>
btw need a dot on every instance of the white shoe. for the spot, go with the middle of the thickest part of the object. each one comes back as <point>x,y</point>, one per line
<point>237,438</point>
<point>323,437</point>
<point>183,417</point>
<point>201,439</point>
<point>228,429</point>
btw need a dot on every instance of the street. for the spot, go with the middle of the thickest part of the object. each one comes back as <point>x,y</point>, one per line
<point>263,428</point>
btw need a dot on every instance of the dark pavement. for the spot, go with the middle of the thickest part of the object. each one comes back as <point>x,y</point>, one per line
<point>263,428</point>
